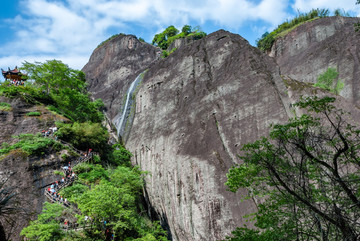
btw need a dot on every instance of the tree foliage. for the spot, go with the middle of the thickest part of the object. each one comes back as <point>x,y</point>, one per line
<point>30,144</point>
<point>54,75</point>
<point>112,204</point>
<point>120,156</point>
<point>47,226</point>
<point>84,136</point>
<point>63,87</point>
<point>165,38</point>
<point>306,175</point>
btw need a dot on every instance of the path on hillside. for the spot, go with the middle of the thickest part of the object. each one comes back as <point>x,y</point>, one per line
<point>51,193</point>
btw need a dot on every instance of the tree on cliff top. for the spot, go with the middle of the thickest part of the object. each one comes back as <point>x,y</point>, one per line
<point>165,38</point>
<point>306,175</point>
<point>67,88</point>
<point>53,75</point>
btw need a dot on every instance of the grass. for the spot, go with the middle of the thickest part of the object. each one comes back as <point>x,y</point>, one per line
<point>35,113</point>
<point>5,106</point>
<point>285,32</point>
<point>30,144</point>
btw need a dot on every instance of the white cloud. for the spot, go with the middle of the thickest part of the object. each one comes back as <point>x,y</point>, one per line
<point>307,5</point>
<point>74,61</point>
<point>71,29</point>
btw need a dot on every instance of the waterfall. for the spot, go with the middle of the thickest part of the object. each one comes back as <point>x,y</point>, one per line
<point>121,118</point>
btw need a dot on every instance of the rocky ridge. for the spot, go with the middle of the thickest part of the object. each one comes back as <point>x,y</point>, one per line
<point>27,175</point>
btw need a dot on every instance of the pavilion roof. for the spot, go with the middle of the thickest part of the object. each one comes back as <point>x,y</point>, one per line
<point>12,73</point>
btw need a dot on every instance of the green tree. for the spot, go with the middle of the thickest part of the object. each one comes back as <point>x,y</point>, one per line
<point>47,226</point>
<point>84,109</point>
<point>165,38</point>
<point>110,208</point>
<point>328,81</point>
<point>161,39</point>
<point>85,135</point>
<point>307,173</point>
<point>64,86</point>
<point>120,156</point>
<point>186,29</point>
<point>54,75</point>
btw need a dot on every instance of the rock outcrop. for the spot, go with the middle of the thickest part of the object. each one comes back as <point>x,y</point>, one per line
<point>25,175</point>
<point>310,49</point>
<point>193,112</point>
<point>114,65</point>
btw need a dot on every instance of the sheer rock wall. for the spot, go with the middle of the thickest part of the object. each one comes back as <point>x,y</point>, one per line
<point>114,65</point>
<point>310,49</point>
<point>197,107</point>
<point>193,112</point>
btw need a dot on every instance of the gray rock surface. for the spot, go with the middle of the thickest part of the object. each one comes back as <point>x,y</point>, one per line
<point>193,112</point>
<point>196,108</point>
<point>114,65</point>
<point>310,49</point>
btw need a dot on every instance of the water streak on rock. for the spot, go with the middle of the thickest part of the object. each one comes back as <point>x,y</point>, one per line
<point>120,119</point>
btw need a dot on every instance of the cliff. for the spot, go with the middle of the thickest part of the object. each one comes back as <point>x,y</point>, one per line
<point>197,107</point>
<point>114,65</point>
<point>25,175</point>
<point>194,111</point>
<point>310,49</point>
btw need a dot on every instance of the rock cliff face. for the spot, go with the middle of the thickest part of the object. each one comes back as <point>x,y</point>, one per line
<point>194,111</point>
<point>196,108</point>
<point>27,175</point>
<point>114,65</point>
<point>311,48</point>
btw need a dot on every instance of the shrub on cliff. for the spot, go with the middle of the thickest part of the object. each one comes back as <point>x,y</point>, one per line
<point>5,106</point>
<point>307,176</point>
<point>47,226</point>
<point>30,144</point>
<point>112,203</point>
<point>327,81</point>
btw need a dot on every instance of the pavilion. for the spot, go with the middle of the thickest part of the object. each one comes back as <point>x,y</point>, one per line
<point>14,75</point>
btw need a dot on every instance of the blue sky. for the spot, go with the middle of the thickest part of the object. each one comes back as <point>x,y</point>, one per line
<point>69,30</point>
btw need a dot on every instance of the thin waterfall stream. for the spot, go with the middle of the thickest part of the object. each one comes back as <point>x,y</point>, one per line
<point>121,118</point>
